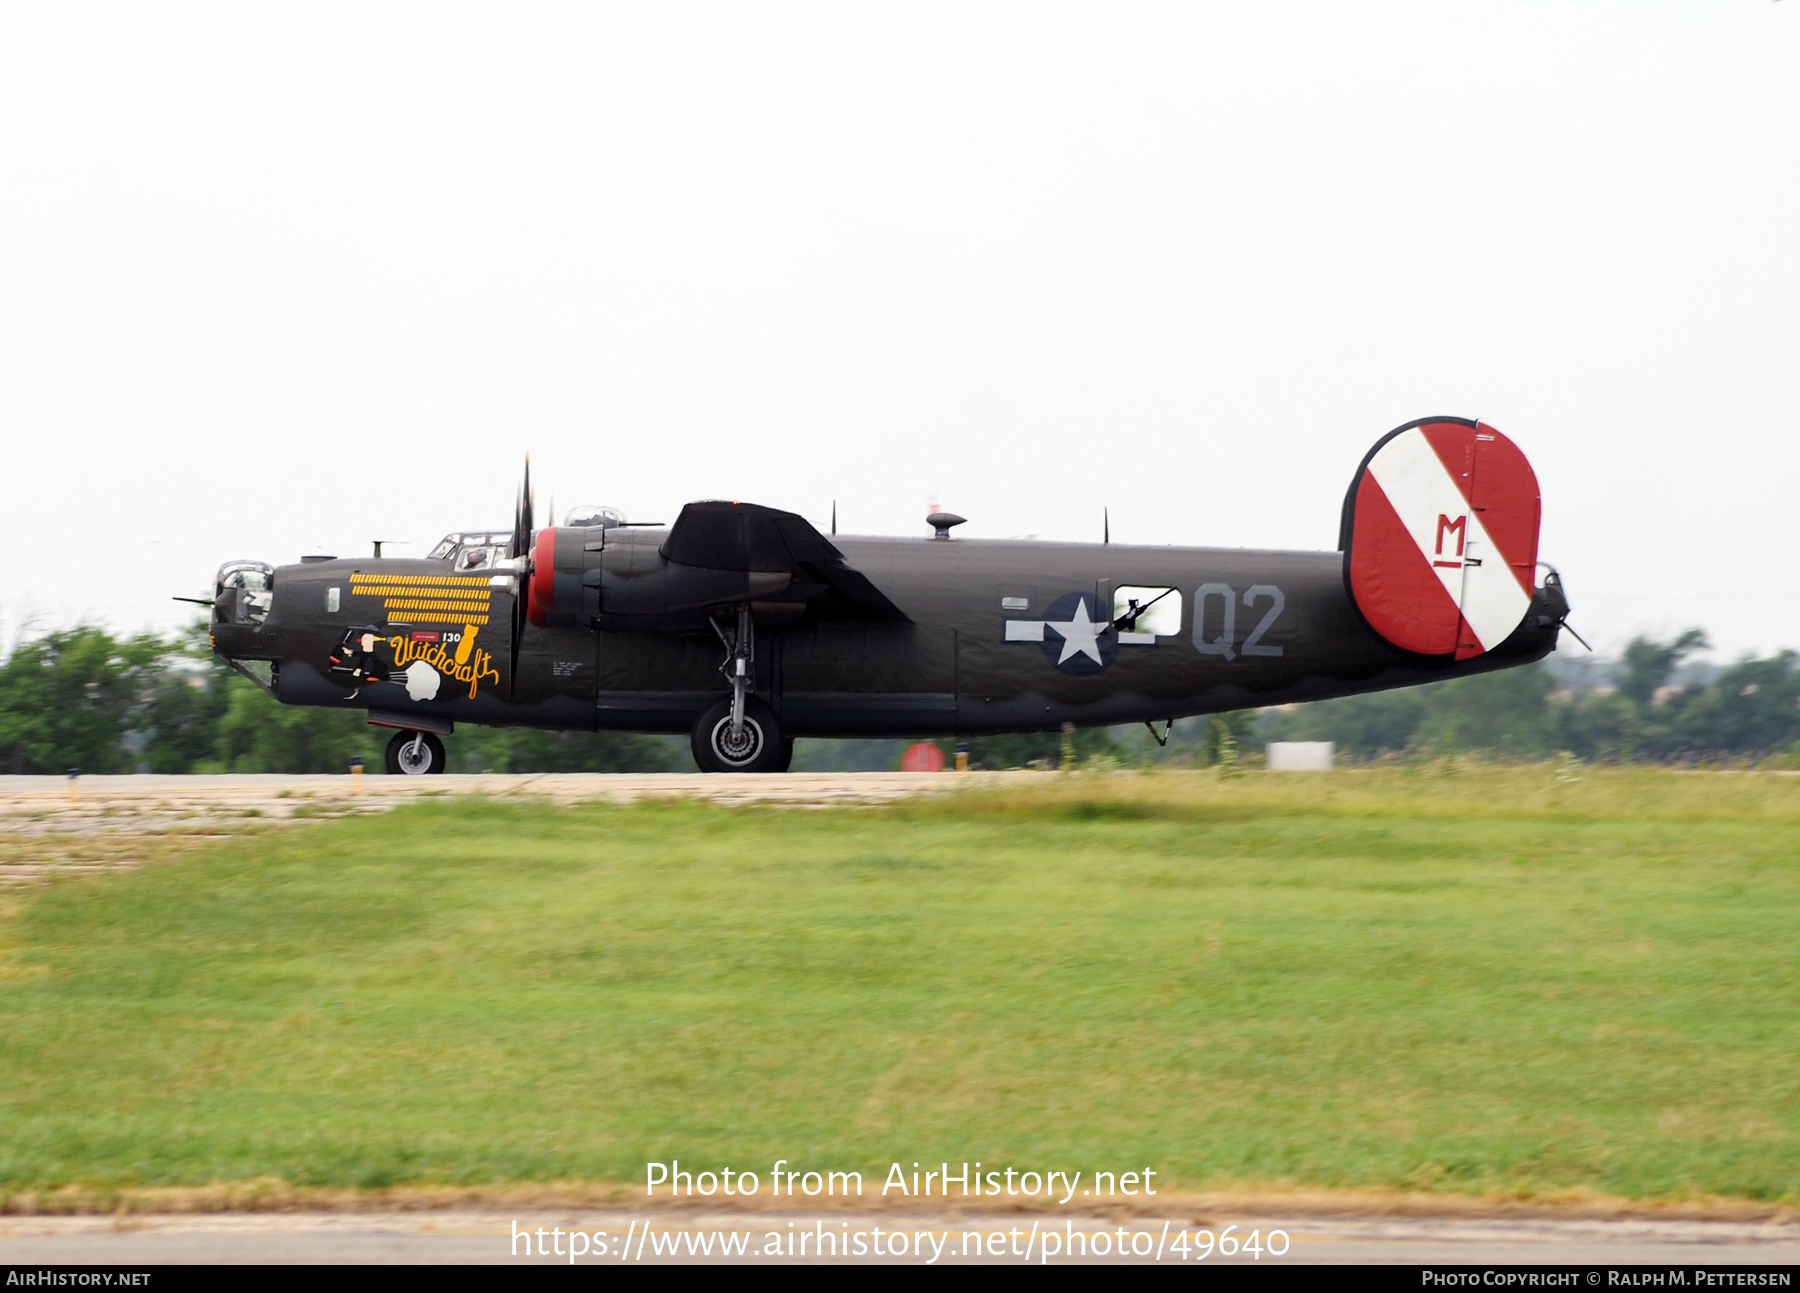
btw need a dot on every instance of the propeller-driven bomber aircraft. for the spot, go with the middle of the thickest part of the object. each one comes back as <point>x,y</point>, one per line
<point>746,627</point>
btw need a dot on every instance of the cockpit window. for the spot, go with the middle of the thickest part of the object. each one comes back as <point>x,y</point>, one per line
<point>475,551</point>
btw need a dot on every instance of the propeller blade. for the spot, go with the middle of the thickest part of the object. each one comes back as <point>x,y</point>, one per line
<point>522,528</point>
<point>521,547</point>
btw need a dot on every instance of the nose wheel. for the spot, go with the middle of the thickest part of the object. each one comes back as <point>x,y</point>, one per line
<point>415,754</point>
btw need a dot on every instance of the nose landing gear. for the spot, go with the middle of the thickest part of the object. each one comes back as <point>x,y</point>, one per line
<point>415,754</point>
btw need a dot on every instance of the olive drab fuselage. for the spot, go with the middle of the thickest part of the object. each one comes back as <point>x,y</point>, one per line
<point>966,637</point>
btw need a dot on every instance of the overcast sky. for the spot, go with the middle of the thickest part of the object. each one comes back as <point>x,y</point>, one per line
<point>278,279</point>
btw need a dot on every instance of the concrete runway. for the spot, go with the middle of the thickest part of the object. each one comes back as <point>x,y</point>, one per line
<point>475,1237</point>
<point>275,790</point>
<point>48,827</point>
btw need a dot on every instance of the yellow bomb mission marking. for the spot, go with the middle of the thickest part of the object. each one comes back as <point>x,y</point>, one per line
<point>427,599</point>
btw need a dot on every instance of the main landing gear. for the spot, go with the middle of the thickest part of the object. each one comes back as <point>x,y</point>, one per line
<point>739,733</point>
<point>415,754</point>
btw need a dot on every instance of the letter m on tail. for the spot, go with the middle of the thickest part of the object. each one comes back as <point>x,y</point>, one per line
<point>1459,527</point>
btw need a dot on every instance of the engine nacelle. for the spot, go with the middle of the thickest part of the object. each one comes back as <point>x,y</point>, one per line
<point>553,597</point>
<point>579,580</point>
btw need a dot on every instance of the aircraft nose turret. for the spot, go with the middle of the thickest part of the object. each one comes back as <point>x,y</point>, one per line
<point>243,592</point>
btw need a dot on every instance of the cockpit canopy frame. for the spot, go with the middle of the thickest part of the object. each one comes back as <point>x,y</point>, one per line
<point>473,550</point>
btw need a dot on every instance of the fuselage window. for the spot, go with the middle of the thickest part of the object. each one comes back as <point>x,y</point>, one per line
<point>1156,611</point>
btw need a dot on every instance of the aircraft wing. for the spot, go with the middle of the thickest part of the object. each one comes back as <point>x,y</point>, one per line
<point>719,535</point>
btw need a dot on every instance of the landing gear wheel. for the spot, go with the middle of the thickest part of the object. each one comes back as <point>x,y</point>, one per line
<point>415,754</point>
<point>759,748</point>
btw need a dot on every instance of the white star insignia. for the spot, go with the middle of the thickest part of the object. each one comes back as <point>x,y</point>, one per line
<point>1081,636</point>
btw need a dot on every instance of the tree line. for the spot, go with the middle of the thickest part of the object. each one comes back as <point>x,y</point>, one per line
<point>1746,710</point>
<point>1636,712</point>
<point>90,699</point>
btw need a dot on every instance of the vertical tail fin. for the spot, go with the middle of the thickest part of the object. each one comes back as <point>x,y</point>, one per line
<point>1440,536</point>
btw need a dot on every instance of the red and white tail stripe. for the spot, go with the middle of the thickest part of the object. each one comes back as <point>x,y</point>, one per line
<point>1441,553</point>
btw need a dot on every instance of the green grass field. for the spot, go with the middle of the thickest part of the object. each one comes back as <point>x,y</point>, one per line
<point>1489,981</point>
